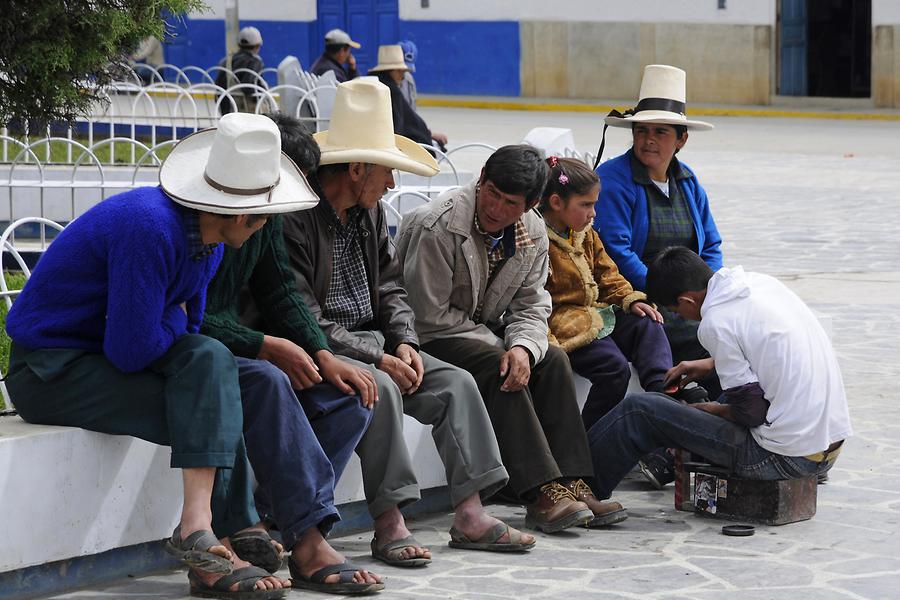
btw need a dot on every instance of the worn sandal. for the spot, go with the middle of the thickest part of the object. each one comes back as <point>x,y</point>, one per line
<point>346,585</point>
<point>390,553</point>
<point>256,548</point>
<point>194,551</point>
<point>246,579</point>
<point>489,541</point>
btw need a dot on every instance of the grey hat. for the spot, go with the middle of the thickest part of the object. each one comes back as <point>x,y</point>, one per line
<point>340,37</point>
<point>249,37</point>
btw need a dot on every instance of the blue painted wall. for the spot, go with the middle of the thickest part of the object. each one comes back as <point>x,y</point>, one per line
<point>455,57</point>
<point>466,57</point>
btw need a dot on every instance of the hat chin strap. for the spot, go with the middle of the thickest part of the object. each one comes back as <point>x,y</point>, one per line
<point>242,191</point>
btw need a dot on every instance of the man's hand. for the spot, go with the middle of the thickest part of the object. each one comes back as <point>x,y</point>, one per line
<point>642,309</point>
<point>404,367</point>
<point>687,371</point>
<point>342,376</point>
<point>292,359</point>
<point>440,138</point>
<point>515,365</point>
<point>351,61</point>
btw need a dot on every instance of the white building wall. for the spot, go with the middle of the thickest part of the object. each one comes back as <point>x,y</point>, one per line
<point>885,12</point>
<point>263,10</point>
<point>737,12</point>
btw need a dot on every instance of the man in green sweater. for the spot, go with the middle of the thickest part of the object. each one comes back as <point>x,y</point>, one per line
<point>297,449</point>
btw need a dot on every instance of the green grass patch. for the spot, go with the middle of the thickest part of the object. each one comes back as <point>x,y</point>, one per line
<point>64,153</point>
<point>14,281</point>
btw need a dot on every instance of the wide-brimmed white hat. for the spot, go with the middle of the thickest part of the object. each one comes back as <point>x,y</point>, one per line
<point>236,168</point>
<point>362,130</point>
<point>390,58</point>
<point>661,100</point>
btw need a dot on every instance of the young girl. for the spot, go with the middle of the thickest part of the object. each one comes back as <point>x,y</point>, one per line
<point>598,318</point>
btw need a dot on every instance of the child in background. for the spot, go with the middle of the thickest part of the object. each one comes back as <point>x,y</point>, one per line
<point>598,318</point>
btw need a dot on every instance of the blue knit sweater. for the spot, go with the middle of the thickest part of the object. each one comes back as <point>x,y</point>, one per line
<point>112,282</point>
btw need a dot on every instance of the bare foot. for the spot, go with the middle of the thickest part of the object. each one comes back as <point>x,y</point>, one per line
<point>389,527</point>
<point>266,583</point>
<point>313,553</point>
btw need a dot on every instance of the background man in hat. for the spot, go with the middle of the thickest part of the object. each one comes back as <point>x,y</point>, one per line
<point>347,269</point>
<point>244,63</point>
<point>337,54</point>
<point>298,449</point>
<point>649,201</point>
<point>390,70</point>
<point>105,333</point>
<point>475,261</point>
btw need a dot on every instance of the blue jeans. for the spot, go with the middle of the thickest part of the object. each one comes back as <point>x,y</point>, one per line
<point>644,422</point>
<point>298,445</point>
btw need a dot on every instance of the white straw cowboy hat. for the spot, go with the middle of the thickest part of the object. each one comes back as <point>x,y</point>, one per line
<point>237,168</point>
<point>662,100</point>
<point>390,58</point>
<point>362,130</point>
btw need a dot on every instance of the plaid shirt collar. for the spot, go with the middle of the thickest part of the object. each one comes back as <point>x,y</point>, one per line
<point>197,250</point>
<point>639,171</point>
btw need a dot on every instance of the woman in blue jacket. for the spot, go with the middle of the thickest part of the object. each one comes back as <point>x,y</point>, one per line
<point>649,200</point>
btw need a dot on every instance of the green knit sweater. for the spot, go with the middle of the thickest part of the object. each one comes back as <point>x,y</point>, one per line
<point>263,265</point>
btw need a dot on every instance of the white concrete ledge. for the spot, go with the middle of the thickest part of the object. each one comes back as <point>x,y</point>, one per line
<point>66,492</point>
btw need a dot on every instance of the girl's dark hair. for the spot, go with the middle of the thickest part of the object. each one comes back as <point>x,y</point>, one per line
<point>568,177</point>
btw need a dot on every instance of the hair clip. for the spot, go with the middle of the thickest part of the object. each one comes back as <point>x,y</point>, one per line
<point>553,161</point>
<point>563,179</point>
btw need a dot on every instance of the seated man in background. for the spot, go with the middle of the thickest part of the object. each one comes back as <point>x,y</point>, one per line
<point>348,272</point>
<point>391,70</point>
<point>105,332</point>
<point>298,450</point>
<point>337,54</point>
<point>783,414</point>
<point>475,263</point>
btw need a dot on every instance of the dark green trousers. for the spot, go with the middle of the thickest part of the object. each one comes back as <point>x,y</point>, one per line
<point>189,399</point>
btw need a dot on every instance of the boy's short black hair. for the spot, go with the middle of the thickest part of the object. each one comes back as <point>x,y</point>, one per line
<point>674,271</point>
<point>519,170</point>
<point>297,143</point>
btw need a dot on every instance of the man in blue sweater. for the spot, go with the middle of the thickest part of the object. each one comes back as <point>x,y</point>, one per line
<point>105,333</point>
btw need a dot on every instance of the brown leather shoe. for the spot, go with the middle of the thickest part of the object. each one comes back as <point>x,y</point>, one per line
<point>604,512</point>
<point>556,509</point>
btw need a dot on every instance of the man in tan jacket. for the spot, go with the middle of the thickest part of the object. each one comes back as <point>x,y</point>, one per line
<point>475,263</point>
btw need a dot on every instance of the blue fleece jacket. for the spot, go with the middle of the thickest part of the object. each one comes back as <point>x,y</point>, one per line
<point>113,282</point>
<point>622,220</point>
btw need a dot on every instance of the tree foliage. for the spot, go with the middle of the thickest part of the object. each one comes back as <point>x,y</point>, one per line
<point>55,55</point>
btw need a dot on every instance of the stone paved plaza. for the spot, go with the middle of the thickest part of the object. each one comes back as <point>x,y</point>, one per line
<point>814,202</point>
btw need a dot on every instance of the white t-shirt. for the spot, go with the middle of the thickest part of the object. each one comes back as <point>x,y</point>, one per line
<point>757,330</point>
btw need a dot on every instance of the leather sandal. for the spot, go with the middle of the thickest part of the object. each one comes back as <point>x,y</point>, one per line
<point>390,553</point>
<point>246,578</point>
<point>194,551</point>
<point>489,542</point>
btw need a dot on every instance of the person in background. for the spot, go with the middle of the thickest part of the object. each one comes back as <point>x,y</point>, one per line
<point>338,56</point>
<point>408,85</point>
<point>246,65</point>
<point>390,70</point>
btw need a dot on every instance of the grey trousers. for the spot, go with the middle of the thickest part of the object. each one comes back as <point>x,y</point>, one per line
<point>450,402</point>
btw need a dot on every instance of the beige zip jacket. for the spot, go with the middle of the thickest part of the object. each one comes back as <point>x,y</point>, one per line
<point>445,274</point>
